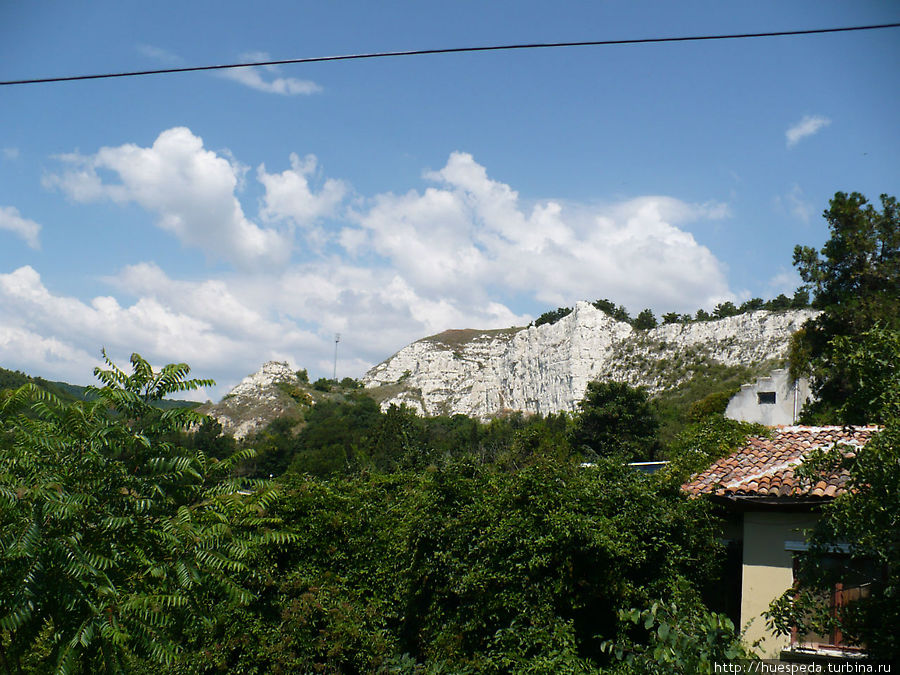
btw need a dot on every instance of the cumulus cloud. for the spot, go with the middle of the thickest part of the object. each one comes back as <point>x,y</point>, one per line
<point>12,221</point>
<point>226,328</point>
<point>48,356</point>
<point>252,76</point>
<point>377,305</point>
<point>190,188</point>
<point>201,323</point>
<point>289,196</point>
<point>465,251</point>
<point>471,235</point>
<point>809,125</point>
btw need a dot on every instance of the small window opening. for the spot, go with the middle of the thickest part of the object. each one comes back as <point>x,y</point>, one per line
<point>765,397</point>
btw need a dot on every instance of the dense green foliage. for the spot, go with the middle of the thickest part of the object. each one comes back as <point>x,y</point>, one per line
<point>552,316</point>
<point>645,320</point>
<point>13,379</point>
<point>462,568</point>
<point>132,536</point>
<point>112,537</point>
<point>410,544</point>
<point>855,281</point>
<point>680,637</point>
<point>350,434</point>
<point>616,420</point>
<point>852,351</point>
<point>705,440</point>
<point>864,522</point>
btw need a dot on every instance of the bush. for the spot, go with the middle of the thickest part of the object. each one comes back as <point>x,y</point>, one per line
<point>115,536</point>
<point>323,384</point>
<point>615,419</point>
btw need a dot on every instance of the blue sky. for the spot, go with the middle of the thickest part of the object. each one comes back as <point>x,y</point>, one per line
<point>228,219</point>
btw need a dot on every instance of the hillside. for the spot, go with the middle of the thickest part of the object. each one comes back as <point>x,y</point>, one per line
<point>274,391</point>
<point>539,369</point>
<point>546,368</point>
<point>12,379</point>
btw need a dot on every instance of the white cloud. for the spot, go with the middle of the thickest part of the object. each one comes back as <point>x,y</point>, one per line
<point>786,282</point>
<point>288,194</point>
<point>159,54</point>
<point>12,220</point>
<point>10,153</point>
<point>249,76</point>
<point>252,76</point>
<point>190,188</point>
<point>37,354</point>
<point>794,202</point>
<point>471,236</point>
<point>809,125</point>
<point>203,324</point>
<point>465,252</point>
<point>226,328</point>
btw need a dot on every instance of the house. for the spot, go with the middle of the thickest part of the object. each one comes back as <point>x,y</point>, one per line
<point>774,399</point>
<point>768,510</point>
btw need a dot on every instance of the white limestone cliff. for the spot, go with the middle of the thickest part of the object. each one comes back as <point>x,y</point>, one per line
<point>546,368</point>
<point>255,401</point>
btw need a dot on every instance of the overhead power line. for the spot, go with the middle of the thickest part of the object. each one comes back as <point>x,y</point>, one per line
<point>448,50</point>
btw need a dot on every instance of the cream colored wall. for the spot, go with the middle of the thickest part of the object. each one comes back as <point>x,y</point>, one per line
<point>768,570</point>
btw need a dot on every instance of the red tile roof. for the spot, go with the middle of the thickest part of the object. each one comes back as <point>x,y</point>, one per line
<point>764,467</point>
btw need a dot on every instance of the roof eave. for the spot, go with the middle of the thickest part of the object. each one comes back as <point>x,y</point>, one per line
<point>769,503</point>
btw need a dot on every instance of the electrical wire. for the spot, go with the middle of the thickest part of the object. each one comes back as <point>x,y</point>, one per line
<point>449,50</point>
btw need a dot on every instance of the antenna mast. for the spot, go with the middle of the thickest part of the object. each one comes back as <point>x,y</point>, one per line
<point>337,338</point>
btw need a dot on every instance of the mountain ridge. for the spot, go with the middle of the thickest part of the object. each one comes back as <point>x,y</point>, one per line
<point>546,368</point>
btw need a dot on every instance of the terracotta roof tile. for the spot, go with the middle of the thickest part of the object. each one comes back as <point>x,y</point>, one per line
<point>765,466</point>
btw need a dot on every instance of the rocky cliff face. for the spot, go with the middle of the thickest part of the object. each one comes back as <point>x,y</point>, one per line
<point>256,401</point>
<point>547,368</point>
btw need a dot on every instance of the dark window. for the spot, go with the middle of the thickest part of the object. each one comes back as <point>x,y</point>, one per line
<point>765,397</point>
<point>857,578</point>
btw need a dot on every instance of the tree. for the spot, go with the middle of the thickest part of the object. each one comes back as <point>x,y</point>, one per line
<point>616,419</point>
<point>618,313</point>
<point>466,569</point>
<point>112,534</point>
<point>855,281</point>
<point>703,441</point>
<point>864,522</point>
<point>397,439</point>
<point>725,309</point>
<point>800,299</point>
<point>859,265</point>
<point>275,446</point>
<point>645,320</point>
<point>870,366</point>
<point>552,316</point>
<point>778,303</point>
<point>752,305</point>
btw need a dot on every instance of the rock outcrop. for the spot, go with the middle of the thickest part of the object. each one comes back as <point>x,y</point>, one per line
<point>256,401</point>
<point>546,368</point>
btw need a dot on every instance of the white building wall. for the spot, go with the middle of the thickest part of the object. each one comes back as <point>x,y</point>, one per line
<point>749,406</point>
